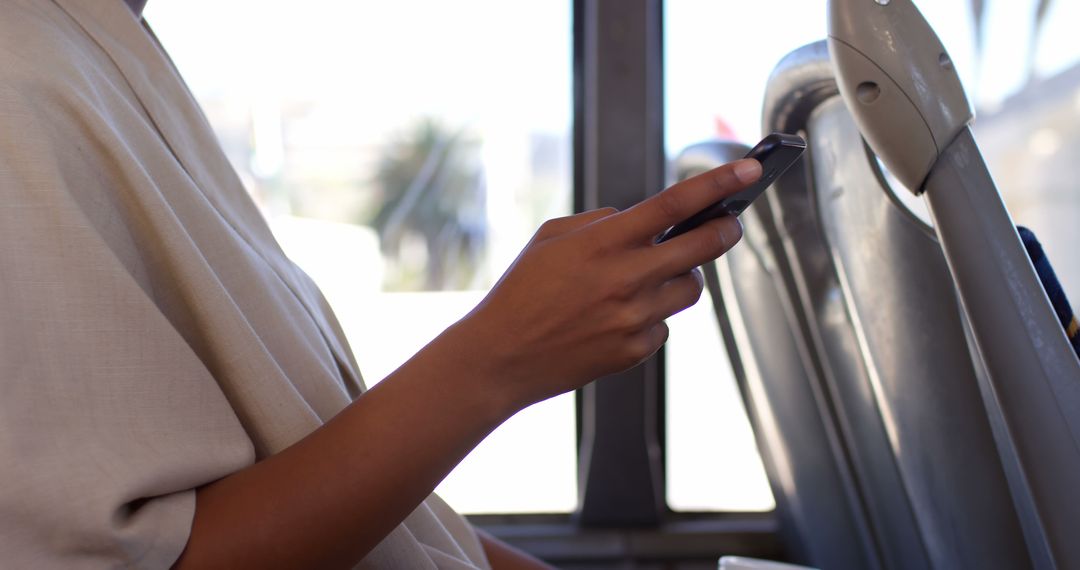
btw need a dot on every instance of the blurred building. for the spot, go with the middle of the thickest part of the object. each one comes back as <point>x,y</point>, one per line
<point>1032,144</point>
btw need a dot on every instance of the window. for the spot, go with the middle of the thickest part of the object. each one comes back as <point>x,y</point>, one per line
<point>1028,126</point>
<point>717,61</point>
<point>426,140</point>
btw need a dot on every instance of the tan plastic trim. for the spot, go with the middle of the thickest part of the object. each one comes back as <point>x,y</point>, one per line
<point>899,82</point>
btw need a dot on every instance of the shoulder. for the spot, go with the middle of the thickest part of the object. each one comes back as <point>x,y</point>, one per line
<point>50,68</point>
<point>56,85</point>
<point>37,39</point>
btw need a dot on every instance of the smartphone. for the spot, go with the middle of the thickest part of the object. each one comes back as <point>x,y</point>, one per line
<point>776,153</point>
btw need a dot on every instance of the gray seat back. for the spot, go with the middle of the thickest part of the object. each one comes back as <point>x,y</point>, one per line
<point>845,316</point>
<point>915,388</point>
<point>909,103</point>
<point>816,499</point>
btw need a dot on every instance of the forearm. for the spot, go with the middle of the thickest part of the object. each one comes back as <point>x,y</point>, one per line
<point>328,500</point>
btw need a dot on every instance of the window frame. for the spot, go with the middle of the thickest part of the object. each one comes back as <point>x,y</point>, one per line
<point>619,159</point>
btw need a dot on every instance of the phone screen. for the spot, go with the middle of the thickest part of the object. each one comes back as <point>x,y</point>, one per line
<point>776,153</point>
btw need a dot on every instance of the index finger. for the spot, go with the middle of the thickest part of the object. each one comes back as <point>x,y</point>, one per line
<point>649,217</point>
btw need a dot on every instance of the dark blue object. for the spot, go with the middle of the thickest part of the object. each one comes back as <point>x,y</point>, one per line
<point>1052,286</point>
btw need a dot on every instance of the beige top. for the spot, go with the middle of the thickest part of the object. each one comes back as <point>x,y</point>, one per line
<point>153,336</point>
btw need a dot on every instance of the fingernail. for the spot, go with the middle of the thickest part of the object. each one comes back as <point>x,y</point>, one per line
<point>747,170</point>
<point>733,232</point>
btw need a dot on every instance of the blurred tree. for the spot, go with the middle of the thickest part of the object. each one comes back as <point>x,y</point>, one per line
<point>432,218</point>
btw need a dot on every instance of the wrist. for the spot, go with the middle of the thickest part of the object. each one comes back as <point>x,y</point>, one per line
<point>479,368</point>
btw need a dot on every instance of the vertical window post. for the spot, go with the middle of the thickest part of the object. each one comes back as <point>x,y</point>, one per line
<point>619,161</point>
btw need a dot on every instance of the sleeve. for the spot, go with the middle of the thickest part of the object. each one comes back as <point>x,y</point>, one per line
<point>462,530</point>
<point>108,419</point>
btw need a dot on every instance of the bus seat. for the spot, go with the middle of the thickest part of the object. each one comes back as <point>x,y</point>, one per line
<point>816,501</point>
<point>863,288</point>
<point>890,63</point>
<point>915,388</point>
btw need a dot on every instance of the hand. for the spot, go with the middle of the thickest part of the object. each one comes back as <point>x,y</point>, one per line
<point>588,296</point>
